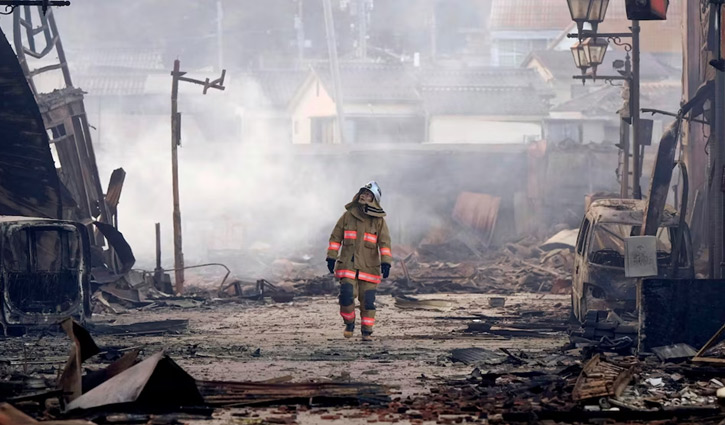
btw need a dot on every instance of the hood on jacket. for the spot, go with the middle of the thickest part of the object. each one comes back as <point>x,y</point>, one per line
<point>372,209</point>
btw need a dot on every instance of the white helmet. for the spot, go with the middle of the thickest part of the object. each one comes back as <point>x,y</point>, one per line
<point>373,187</point>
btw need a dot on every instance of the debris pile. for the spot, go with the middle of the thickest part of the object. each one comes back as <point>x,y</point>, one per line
<point>128,389</point>
<point>523,266</point>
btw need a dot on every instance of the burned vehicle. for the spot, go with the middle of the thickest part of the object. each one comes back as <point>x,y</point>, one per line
<point>599,282</point>
<point>44,271</point>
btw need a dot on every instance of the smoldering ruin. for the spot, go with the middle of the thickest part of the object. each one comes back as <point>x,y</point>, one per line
<point>527,194</point>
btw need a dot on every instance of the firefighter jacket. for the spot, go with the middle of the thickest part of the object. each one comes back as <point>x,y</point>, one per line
<point>360,242</point>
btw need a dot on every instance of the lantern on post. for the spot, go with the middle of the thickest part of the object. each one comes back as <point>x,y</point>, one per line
<point>594,50</point>
<point>591,11</point>
<point>580,57</point>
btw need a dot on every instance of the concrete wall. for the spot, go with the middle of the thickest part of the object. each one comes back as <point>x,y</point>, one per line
<point>479,129</point>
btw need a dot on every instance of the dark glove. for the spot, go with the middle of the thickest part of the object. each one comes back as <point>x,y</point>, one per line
<point>385,268</point>
<point>331,265</point>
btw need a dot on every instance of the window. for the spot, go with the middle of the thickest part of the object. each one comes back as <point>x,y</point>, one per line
<point>607,245</point>
<point>512,52</point>
<point>557,131</point>
<point>581,239</point>
<point>42,250</point>
<point>323,130</point>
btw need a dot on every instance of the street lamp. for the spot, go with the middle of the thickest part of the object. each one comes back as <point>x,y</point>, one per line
<point>597,12</point>
<point>592,11</point>
<point>594,49</point>
<point>580,57</point>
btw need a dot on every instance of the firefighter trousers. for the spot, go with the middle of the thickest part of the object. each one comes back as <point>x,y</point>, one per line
<point>365,293</point>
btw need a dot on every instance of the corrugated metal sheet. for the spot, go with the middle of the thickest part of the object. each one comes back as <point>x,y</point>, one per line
<point>29,184</point>
<point>478,211</point>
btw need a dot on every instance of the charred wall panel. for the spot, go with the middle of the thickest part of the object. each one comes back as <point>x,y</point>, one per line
<point>29,185</point>
<point>676,311</point>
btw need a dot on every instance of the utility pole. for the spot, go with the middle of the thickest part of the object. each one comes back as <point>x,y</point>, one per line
<point>634,90</point>
<point>220,35</point>
<point>177,76</point>
<point>300,28</point>
<point>433,32</point>
<point>362,28</point>
<point>334,69</point>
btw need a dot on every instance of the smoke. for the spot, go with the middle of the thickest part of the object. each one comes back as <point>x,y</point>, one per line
<point>247,195</point>
<point>234,196</point>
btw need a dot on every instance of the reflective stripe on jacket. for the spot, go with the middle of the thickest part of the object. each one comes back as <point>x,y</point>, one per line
<point>360,242</point>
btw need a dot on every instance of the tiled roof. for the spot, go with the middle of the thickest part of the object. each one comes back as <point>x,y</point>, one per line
<point>107,58</point>
<point>608,100</point>
<point>372,83</point>
<point>529,15</point>
<point>480,77</point>
<point>491,101</point>
<point>473,91</point>
<point>277,86</point>
<point>111,85</point>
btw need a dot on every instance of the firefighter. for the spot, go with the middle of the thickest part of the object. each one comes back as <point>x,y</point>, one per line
<point>359,255</point>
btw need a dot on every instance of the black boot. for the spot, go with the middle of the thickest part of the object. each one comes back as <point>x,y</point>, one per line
<point>349,329</point>
<point>367,335</point>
